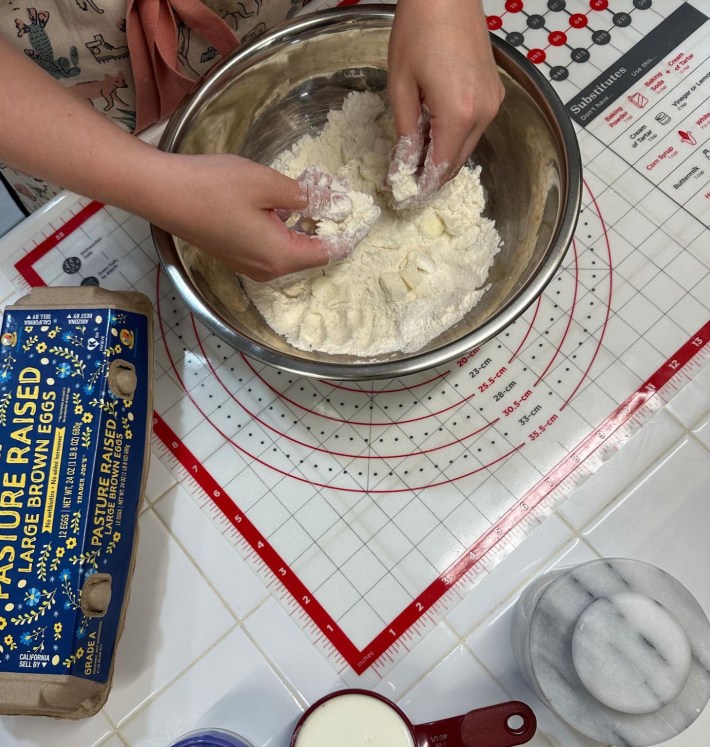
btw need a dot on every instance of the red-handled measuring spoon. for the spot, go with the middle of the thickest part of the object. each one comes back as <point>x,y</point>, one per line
<point>501,725</point>
<point>359,718</point>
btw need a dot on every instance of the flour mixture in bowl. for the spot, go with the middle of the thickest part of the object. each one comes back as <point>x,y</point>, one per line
<point>416,273</point>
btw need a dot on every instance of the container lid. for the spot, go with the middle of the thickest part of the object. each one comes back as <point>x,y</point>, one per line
<point>211,738</point>
<point>621,650</point>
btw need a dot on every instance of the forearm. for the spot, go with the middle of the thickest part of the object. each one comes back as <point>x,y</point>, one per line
<point>446,8</point>
<point>47,132</point>
<point>226,205</point>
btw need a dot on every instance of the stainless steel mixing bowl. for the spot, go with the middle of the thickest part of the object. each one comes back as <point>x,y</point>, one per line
<point>268,94</point>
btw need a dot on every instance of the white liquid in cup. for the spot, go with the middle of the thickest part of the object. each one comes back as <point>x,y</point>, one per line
<point>354,720</point>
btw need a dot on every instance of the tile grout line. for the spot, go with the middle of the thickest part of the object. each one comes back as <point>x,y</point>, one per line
<point>540,735</point>
<point>109,737</point>
<point>151,501</point>
<point>699,419</point>
<point>300,700</point>
<point>627,487</point>
<point>238,620</point>
<point>512,592</point>
<point>192,560</point>
<point>237,624</point>
<point>458,642</point>
<point>241,621</point>
<point>149,701</point>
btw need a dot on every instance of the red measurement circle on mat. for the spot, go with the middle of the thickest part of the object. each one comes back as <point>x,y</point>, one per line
<point>557,38</point>
<point>411,434</point>
<point>598,4</point>
<point>537,56</point>
<point>494,23</point>
<point>578,20</point>
<point>513,6</point>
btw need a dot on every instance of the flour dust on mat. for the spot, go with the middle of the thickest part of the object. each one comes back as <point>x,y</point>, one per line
<point>416,273</point>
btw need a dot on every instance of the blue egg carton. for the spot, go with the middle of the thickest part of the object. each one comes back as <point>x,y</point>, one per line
<point>76,375</point>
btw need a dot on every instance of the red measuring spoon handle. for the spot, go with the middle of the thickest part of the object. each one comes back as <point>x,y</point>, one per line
<point>502,725</point>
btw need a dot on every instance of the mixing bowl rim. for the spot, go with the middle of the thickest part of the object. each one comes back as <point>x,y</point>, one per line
<point>571,190</point>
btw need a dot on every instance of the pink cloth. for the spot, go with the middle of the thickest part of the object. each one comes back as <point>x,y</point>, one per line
<point>152,32</point>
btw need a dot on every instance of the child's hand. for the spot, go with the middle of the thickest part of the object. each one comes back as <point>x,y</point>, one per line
<point>444,86</point>
<point>233,209</point>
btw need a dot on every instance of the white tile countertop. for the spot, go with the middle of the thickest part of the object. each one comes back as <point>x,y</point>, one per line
<point>205,644</point>
<point>209,640</point>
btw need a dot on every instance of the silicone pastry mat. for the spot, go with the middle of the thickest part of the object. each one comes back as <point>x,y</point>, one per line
<point>370,508</point>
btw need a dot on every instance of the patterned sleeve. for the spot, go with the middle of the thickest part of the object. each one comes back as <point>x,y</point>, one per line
<point>83,45</point>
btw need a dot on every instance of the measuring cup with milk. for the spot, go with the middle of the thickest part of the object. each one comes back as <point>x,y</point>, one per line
<point>353,717</point>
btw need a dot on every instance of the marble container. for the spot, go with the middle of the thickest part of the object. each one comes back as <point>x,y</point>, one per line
<point>617,648</point>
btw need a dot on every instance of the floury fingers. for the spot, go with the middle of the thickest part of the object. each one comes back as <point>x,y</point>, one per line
<point>76,368</point>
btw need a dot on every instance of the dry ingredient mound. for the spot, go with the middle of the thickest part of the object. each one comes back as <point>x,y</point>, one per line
<point>416,273</point>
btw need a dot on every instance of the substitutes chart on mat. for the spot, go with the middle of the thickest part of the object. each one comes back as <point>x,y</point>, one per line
<point>648,104</point>
<point>371,507</point>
